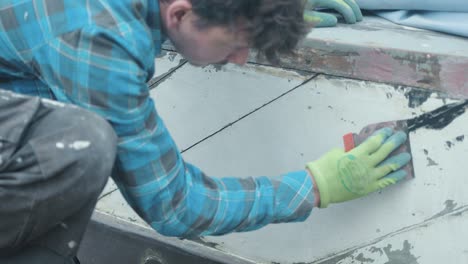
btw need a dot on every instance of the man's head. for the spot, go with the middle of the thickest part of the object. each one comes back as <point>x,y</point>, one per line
<point>220,31</point>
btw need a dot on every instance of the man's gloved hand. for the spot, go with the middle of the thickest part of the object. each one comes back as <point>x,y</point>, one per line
<point>347,8</point>
<point>343,176</point>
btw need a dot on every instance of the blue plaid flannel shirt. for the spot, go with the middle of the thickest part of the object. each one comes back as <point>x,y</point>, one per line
<point>99,55</point>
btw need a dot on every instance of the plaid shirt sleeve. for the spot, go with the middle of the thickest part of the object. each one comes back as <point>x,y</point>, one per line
<point>105,70</point>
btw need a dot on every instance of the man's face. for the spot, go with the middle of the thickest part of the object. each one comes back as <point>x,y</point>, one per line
<point>202,46</point>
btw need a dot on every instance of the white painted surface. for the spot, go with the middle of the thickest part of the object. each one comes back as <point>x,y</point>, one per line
<point>440,241</point>
<point>196,102</point>
<point>285,135</point>
<point>299,127</point>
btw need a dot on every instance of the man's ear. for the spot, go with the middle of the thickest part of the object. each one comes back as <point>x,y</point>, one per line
<point>176,12</point>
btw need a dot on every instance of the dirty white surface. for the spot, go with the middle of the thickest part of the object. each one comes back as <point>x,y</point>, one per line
<point>167,63</point>
<point>198,101</point>
<point>283,125</point>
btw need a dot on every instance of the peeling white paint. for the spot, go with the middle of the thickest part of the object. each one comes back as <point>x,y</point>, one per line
<point>439,240</point>
<point>60,145</point>
<point>313,120</point>
<point>402,221</point>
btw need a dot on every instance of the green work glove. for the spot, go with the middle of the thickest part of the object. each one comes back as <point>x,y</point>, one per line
<point>347,8</point>
<point>343,176</point>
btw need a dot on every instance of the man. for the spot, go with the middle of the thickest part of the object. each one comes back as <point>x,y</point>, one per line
<point>98,55</point>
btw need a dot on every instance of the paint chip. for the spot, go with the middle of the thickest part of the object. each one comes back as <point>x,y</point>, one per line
<point>417,97</point>
<point>460,138</point>
<point>450,206</point>
<point>60,145</point>
<point>449,144</point>
<point>397,255</point>
<point>431,162</point>
<point>363,259</point>
<point>376,250</point>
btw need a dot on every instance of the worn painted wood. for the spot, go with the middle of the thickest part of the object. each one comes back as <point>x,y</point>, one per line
<point>379,51</point>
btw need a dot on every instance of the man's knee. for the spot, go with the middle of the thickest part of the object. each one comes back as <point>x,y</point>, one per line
<point>96,143</point>
<point>76,146</point>
<point>55,167</point>
<point>76,160</point>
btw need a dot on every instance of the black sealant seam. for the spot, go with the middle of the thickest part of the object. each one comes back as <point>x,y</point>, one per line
<point>253,62</point>
<point>299,71</point>
<point>159,79</point>
<point>107,194</point>
<point>438,118</point>
<point>250,113</point>
<point>410,91</point>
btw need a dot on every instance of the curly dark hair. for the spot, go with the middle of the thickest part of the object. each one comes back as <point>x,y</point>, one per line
<point>275,26</point>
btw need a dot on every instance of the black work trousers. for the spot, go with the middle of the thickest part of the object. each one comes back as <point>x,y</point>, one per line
<point>54,162</point>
